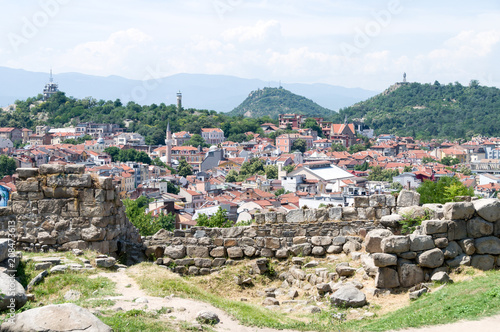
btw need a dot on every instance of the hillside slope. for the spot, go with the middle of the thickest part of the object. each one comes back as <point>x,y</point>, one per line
<point>431,111</point>
<point>275,101</point>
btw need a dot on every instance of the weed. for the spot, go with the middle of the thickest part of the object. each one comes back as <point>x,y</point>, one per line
<point>410,222</point>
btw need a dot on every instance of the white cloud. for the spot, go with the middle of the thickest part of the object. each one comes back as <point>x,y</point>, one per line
<point>261,32</point>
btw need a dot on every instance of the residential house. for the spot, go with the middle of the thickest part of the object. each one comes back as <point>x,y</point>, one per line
<point>213,136</point>
<point>11,133</point>
<point>180,138</point>
<point>194,200</point>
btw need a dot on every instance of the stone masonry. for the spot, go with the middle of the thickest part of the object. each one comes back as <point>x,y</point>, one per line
<point>59,207</point>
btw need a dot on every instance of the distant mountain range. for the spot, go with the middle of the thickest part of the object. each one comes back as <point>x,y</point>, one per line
<point>213,92</point>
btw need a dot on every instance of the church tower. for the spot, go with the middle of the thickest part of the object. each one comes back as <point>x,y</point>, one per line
<point>168,143</point>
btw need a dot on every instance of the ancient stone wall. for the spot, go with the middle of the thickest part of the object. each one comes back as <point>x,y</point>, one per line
<point>59,207</point>
<point>199,249</point>
<point>468,234</point>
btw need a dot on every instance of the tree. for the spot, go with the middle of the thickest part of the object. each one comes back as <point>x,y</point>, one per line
<point>377,173</point>
<point>113,151</point>
<point>442,191</point>
<point>219,219</point>
<point>157,162</point>
<point>363,167</point>
<point>300,145</point>
<point>7,166</point>
<point>312,124</point>
<point>271,171</point>
<point>450,161</point>
<point>427,160</point>
<point>172,188</point>
<point>408,169</point>
<point>184,169</point>
<point>289,168</point>
<point>357,148</point>
<point>166,221</point>
<point>337,147</point>
<point>196,140</point>
<point>232,176</point>
<point>135,211</point>
<point>280,192</point>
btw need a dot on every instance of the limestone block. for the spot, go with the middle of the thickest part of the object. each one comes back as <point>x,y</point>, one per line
<point>384,260</point>
<point>93,234</point>
<point>361,201</point>
<point>318,251</point>
<point>53,206</point>
<point>377,200</point>
<point>25,173</point>
<point>339,241</point>
<point>459,260</point>
<point>175,252</point>
<point>51,169</point>
<point>437,210</point>
<point>459,210</point>
<point>349,213</point>
<point>390,201</point>
<point>110,195</point>
<point>184,262</point>
<point>249,251</point>
<point>203,262</point>
<point>452,250</point>
<point>441,242</point>
<point>483,262</point>
<point>310,215</point>
<point>478,227</point>
<point>321,240</point>
<point>295,216</point>
<point>410,274</point>
<point>82,245</point>
<point>282,253</point>
<point>321,215</point>
<point>70,180</point>
<point>232,232</point>
<point>270,217</point>
<point>421,242</point>
<point>348,296</point>
<point>351,246</point>
<point>391,220</point>
<point>272,243</point>
<point>335,213</point>
<point>29,185</point>
<point>374,238</point>
<point>260,218</point>
<point>457,229</point>
<point>46,238</point>
<point>368,213</point>
<point>488,209</point>
<point>99,195</point>
<point>387,278</point>
<point>467,246</point>
<point>395,244</point>
<point>488,245</point>
<point>382,212</point>
<point>5,211</point>
<point>106,183</point>
<point>197,251</point>
<point>301,249</point>
<point>431,258</point>
<point>246,241</point>
<point>408,198</point>
<point>434,226</point>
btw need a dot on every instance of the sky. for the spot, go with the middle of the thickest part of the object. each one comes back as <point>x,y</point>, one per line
<point>366,44</point>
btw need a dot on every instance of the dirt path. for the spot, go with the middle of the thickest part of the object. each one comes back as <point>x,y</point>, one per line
<point>182,309</point>
<point>488,324</point>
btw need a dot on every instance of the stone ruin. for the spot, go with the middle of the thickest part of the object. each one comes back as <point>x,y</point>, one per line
<point>58,207</point>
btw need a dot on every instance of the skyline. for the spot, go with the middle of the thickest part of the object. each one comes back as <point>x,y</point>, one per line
<point>364,44</point>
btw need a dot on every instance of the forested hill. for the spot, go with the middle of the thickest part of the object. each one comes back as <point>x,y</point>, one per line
<point>432,110</point>
<point>275,101</point>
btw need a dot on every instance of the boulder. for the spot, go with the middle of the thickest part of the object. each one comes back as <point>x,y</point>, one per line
<point>391,220</point>
<point>105,262</point>
<point>377,200</point>
<point>488,245</point>
<point>348,296</point>
<point>11,292</point>
<point>457,229</point>
<point>4,249</point>
<point>416,294</point>
<point>437,210</point>
<point>478,227</point>
<point>431,258</point>
<point>361,201</point>
<point>421,242</point>
<point>60,317</point>
<point>483,262</point>
<point>369,265</point>
<point>321,240</point>
<point>346,271</point>
<point>374,238</point>
<point>459,260</point>
<point>323,288</point>
<point>383,260</point>
<point>441,277</point>
<point>408,198</point>
<point>334,213</point>
<point>410,274</point>
<point>467,246</point>
<point>207,317</point>
<point>459,210</point>
<point>434,226</point>
<point>386,278</point>
<point>395,244</point>
<point>260,266</point>
<point>351,246</point>
<point>488,209</point>
<point>175,252</point>
<point>295,216</point>
<point>452,250</point>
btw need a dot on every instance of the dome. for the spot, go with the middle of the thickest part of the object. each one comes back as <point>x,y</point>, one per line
<point>100,140</point>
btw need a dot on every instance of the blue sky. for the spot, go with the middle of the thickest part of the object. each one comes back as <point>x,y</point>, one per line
<point>367,44</point>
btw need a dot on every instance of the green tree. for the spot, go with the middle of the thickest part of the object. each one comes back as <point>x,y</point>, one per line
<point>114,152</point>
<point>219,219</point>
<point>408,169</point>
<point>312,124</point>
<point>337,147</point>
<point>232,176</point>
<point>172,188</point>
<point>357,148</point>
<point>196,140</point>
<point>363,167</point>
<point>450,161</point>
<point>300,145</point>
<point>184,169</point>
<point>442,191</point>
<point>280,192</point>
<point>135,211</point>
<point>7,166</point>
<point>271,171</point>
<point>377,173</point>
<point>157,162</point>
<point>289,168</point>
<point>166,221</point>
<point>427,160</point>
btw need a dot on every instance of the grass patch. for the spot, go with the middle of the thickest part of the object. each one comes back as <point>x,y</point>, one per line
<point>469,300</point>
<point>136,320</point>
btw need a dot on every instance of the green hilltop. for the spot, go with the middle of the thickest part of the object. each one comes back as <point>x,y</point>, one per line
<point>275,101</point>
<point>431,110</point>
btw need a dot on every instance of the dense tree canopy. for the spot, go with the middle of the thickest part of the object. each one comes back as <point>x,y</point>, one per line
<point>443,191</point>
